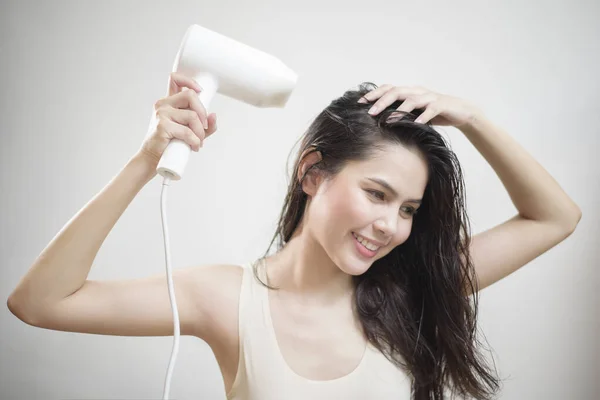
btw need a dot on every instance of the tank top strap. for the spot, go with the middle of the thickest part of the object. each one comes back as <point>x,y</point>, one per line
<point>256,354</point>
<point>253,294</point>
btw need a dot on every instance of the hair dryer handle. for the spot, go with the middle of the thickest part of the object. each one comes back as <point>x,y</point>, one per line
<point>176,156</point>
<point>174,160</point>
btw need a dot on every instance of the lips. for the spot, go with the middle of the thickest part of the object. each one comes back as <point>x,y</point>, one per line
<point>362,250</point>
<point>372,242</point>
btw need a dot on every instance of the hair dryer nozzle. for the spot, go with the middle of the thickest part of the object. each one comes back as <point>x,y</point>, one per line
<point>222,65</point>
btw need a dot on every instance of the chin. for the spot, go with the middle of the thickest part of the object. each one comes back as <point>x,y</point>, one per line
<point>355,267</point>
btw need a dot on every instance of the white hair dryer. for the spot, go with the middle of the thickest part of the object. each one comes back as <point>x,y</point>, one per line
<point>218,64</point>
<point>223,65</point>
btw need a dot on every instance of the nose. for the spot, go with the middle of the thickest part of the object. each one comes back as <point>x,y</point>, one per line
<point>387,225</point>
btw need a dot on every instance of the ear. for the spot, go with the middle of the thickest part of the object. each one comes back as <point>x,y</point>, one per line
<point>311,181</point>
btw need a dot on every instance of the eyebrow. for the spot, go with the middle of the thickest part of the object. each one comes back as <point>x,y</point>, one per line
<point>389,187</point>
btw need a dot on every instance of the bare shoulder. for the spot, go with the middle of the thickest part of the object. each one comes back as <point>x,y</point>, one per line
<point>217,290</point>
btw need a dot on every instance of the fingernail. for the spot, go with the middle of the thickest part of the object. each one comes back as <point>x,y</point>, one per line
<point>373,110</point>
<point>362,100</point>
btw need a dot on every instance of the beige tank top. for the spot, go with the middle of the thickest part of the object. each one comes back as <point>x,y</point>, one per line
<point>263,373</point>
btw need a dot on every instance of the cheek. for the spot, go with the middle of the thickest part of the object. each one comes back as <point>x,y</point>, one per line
<point>348,208</point>
<point>404,231</point>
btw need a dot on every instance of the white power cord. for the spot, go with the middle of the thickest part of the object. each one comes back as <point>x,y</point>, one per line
<point>163,210</point>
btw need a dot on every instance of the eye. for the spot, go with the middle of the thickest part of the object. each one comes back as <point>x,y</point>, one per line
<point>411,210</point>
<point>377,194</point>
<point>380,195</point>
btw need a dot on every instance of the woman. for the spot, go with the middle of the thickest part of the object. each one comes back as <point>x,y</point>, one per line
<point>375,270</point>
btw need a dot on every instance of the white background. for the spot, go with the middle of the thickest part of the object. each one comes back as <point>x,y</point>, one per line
<point>78,80</point>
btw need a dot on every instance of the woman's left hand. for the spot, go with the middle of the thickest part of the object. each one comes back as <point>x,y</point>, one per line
<point>440,109</point>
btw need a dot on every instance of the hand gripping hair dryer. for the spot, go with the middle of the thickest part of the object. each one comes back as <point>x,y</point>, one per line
<point>223,65</point>
<point>219,65</point>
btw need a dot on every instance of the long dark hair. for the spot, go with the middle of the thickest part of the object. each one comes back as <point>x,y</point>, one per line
<point>414,304</point>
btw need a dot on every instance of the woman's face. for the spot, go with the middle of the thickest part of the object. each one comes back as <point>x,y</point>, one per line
<point>355,203</point>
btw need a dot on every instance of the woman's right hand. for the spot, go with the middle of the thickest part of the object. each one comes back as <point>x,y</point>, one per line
<point>180,115</point>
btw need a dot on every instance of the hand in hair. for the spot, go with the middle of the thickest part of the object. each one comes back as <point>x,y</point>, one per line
<point>439,109</point>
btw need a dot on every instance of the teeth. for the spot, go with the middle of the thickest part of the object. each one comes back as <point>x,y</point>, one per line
<point>365,242</point>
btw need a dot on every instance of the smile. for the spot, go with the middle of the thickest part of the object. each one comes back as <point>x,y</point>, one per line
<point>365,242</point>
<point>364,247</point>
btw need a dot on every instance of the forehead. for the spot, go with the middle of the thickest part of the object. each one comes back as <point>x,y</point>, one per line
<point>403,168</point>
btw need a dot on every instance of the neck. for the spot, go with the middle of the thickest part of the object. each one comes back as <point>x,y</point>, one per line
<point>304,271</point>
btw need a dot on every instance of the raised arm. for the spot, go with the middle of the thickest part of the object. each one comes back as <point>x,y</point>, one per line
<point>55,293</point>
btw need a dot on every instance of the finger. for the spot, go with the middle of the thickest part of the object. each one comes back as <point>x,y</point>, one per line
<point>384,101</point>
<point>183,133</point>
<point>212,125</point>
<point>189,99</point>
<point>392,95</point>
<point>427,115</point>
<point>377,93</point>
<point>196,105</point>
<point>190,119</point>
<point>402,91</point>
<point>408,105</point>
<point>419,101</point>
<point>178,81</point>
